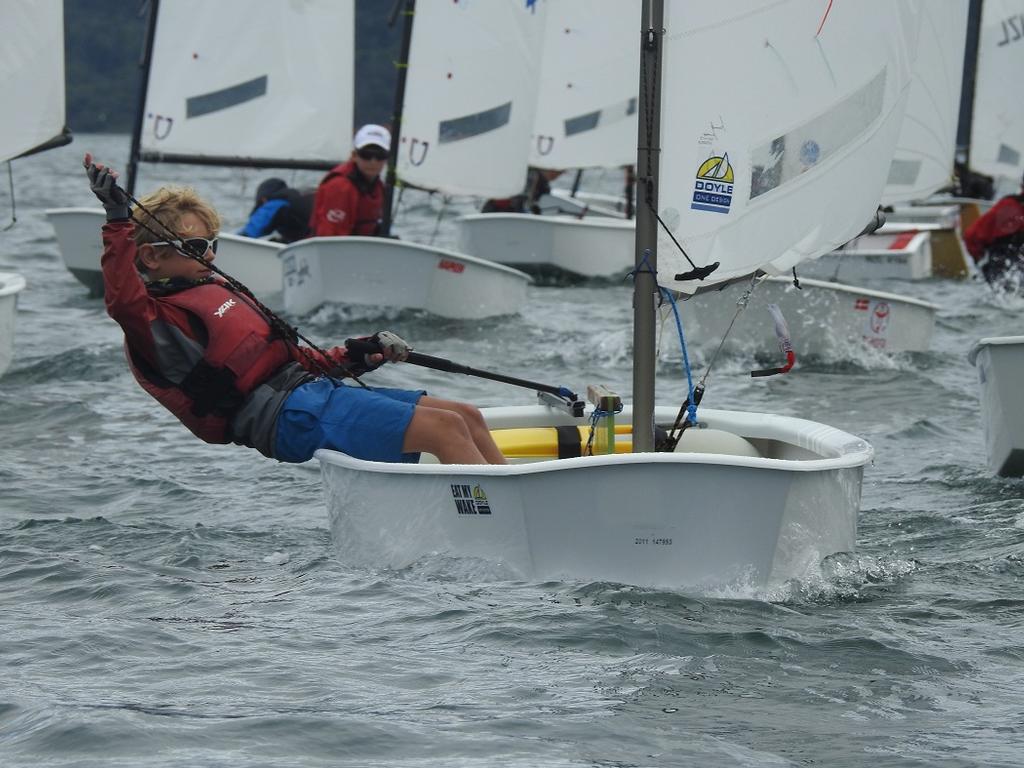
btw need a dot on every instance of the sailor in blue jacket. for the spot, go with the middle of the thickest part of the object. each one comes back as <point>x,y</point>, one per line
<point>280,209</point>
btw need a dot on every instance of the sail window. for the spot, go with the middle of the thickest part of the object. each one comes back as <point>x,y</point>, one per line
<point>1008,155</point>
<point>606,116</point>
<point>226,97</point>
<point>904,172</point>
<point>468,126</point>
<point>785,157</point>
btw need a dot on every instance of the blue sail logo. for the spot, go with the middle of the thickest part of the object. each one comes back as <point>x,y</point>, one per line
<point>712,189</point>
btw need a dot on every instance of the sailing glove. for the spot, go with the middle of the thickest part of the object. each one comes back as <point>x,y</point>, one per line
<point>103,183</point>
<point>392,346</point>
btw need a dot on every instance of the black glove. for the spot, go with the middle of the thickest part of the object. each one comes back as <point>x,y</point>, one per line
<point>103,183</point>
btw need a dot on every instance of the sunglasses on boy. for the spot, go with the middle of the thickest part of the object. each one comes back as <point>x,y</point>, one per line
<point>372,153</point>
<point>191,245</point>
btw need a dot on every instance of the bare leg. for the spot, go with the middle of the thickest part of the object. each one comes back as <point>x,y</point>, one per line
<point>478,429</point>
<point>443,433</point>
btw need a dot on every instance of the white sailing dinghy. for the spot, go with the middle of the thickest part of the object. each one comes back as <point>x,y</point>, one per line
<point>857,318</point>
<point>465,118</point>
<point>11,284</point>
<point>255,263</point>
<point>1000,364</point>
<point>586,96</point>
<point>33,89</point>
<point>755,498</point>
<point>922,165</point>
<point>214,97</point>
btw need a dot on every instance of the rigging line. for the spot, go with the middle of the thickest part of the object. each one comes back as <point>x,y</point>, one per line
<point>440,215</point>
<point>14,210</point>
<point>741,304</point>
<point>822,24</point>
<point>289,334</point>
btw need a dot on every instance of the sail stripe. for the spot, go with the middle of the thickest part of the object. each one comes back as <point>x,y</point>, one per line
<point>606,116</point>
<point>232,96</point>
<point>468,126</point>
<point>786,157</point>
<point>1008,155</point>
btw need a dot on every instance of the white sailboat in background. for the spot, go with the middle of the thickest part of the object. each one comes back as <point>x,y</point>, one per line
<point>918,241</point>
<point>1000,364</point>
<point>33,90</point>
<point>749,497</point>
<point>211,96</point>
<point>586,96</point>
<point>464,124</point>
<point>997,124</point>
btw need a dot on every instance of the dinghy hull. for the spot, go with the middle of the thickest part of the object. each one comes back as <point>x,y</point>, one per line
<point>253,262</point>
<point>892,255</point>
<point>826,320</point>
<point>576,248</point>
<point>394,274</point>
<point>665,519</point>
<point>11,284</point>
<point>1000,364</point>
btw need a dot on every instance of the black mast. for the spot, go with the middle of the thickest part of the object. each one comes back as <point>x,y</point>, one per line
<point>964,127</point>
<point>140,110</point>
<point>396,121</point>
<point>645,285</point>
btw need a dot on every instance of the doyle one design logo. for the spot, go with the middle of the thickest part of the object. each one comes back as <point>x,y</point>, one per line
<point>712,189</point>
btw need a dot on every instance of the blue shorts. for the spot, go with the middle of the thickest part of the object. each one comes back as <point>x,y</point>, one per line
<point>366,423</point>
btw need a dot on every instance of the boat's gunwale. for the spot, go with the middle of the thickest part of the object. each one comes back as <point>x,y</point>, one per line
<point>850,451</point>
<point>992,341</point>
<point>431,251</point>
<point>11,283</point>
<point>856,290</point>
<point>596,222</point>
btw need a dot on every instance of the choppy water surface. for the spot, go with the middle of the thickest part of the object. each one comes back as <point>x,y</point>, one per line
<point>168,603</point>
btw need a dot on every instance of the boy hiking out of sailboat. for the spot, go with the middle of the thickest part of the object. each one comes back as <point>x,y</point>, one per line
<point>220,364</point>
<point>350,198</point>
<point>996,238</point>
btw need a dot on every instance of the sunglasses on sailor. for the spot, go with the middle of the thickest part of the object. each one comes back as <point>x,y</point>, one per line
<point>372,153</point>
<point>191,245</point>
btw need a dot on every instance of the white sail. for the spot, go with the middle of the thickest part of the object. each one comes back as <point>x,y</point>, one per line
<point>31,75</point>
<point>470,95</point>
<point>923,162</point>
<point>231,80</point>
<point>587,98</point>
<point>783,118</point>
<point>997,128</point>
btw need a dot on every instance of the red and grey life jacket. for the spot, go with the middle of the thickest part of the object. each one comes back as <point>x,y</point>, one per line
<point>371,198</point>
<point>225,386</point>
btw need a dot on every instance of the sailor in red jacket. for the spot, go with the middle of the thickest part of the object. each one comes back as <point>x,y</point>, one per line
<point>210,356</point>
<point>350,197</point>
<point>996,239</point>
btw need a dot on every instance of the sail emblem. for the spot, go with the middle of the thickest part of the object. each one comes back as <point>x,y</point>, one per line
<point>713,186</point>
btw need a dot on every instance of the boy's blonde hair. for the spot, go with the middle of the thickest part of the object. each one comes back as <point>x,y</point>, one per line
<point>169,204</point>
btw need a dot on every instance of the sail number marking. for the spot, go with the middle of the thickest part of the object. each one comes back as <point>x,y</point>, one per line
<point>653,541</point>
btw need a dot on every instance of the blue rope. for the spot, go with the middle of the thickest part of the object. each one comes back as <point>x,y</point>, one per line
<point>692,409</point>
